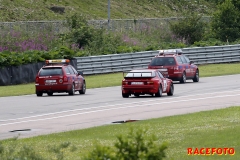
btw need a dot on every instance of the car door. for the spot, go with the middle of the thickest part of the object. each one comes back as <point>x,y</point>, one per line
<point>163,80</point>
<point>187,67</point>
<point>68,74</point>
<point>191,66</point>
<point>79,78</point>
<point>74,78</point>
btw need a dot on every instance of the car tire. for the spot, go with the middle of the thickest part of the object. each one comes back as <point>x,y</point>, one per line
<point>83,91</point>
<point>72,91</point>
<point>50,93</point>
<point>184,78</point>
<point>196,77</point>
<point>159,93</point>
<point>39,94</point>
<point>171,91</point>
<point>136,95</point>
<point>125,95</point>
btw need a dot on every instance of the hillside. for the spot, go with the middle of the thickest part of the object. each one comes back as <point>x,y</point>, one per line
<point>35,10</point>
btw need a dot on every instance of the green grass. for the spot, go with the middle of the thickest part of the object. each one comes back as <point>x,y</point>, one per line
<point>218,129</point>
<point>25,10</point>
<point>114,79</point>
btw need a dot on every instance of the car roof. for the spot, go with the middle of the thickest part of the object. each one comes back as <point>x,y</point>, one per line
<point>54,65</point>
<point>169,53</point>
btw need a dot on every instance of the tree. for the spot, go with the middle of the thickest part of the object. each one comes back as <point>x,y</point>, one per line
<point>190,28</point>
<point>81,34</point>
<point>226,21</point>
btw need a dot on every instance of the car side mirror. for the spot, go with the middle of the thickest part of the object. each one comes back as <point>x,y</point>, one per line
<point>80,73</point>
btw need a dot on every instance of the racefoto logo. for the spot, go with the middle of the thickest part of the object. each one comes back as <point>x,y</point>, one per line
<point>211,151</point>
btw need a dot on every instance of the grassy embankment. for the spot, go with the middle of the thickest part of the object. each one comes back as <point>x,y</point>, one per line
<point>25,10</point>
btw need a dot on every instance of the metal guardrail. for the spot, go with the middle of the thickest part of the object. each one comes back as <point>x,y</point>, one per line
<point>127,61</point>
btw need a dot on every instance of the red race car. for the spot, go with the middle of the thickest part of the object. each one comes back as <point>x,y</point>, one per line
<point>146,81</point>
<point>59,76</point>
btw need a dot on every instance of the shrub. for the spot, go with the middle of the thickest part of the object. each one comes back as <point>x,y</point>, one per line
<point>8,58</point>
<point>80,32</point>
<point>136,145</point>
<point>190,28</point>
<point>18,151</point>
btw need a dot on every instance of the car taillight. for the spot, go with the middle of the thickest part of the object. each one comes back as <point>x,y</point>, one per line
<point>124,83</point>
<point>65,79</point>
<point>36,80</point>
<point>150,82</point>
<point>176,68</point>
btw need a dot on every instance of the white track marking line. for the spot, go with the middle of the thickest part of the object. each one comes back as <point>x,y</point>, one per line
<point>113,105</point>
<point>116,109</point>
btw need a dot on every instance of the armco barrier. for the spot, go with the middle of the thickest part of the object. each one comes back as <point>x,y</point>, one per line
<point>127,61</point>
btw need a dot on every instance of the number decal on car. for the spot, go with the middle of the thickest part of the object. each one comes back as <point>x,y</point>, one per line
<point>164,85</point>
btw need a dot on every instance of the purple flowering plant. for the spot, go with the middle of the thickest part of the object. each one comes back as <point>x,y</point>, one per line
<point>20,41</point>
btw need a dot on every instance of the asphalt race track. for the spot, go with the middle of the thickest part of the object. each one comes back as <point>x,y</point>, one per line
<point>31,115</point>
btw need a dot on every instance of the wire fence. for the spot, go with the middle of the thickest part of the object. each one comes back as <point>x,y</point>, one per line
<point>114,24</point>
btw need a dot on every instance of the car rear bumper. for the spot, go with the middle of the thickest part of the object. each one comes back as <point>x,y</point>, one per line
<point>139,90</point>
<point>53,88</point>
<point>175,76</point>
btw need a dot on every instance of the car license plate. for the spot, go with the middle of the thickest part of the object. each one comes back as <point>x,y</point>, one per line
<point>163,70</point>
<point>50,81</point>
<point>137,83</point>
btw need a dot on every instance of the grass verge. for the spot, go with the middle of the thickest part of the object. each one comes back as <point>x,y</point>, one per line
<point>217,128</point>
<point>114,79</point>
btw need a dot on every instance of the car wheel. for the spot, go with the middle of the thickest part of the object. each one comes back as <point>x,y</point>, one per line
<point>72,91</point>
<point>124,95</point>
<point>170,93</point>
<point>83,91</point>
<point>159,93</point>
<point>183,79</point>
<point>50,93</point>
<point>39,94</point>
<point>136,95</point>
<point>196,77</point>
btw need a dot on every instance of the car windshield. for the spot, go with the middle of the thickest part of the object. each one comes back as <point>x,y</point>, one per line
<point>163,61</point>
<point>55,71</point>
<point>140,74</point>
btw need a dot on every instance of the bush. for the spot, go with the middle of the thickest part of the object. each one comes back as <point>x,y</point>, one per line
<point>18,151</point>
<point>134,146</point>
<point>190,29</point>
<point>80,32</point>
<point>210,42</point>
<point>8,58</point>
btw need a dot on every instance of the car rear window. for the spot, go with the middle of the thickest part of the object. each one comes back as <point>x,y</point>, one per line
<point>163,61</point>
<point>51,71</point>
